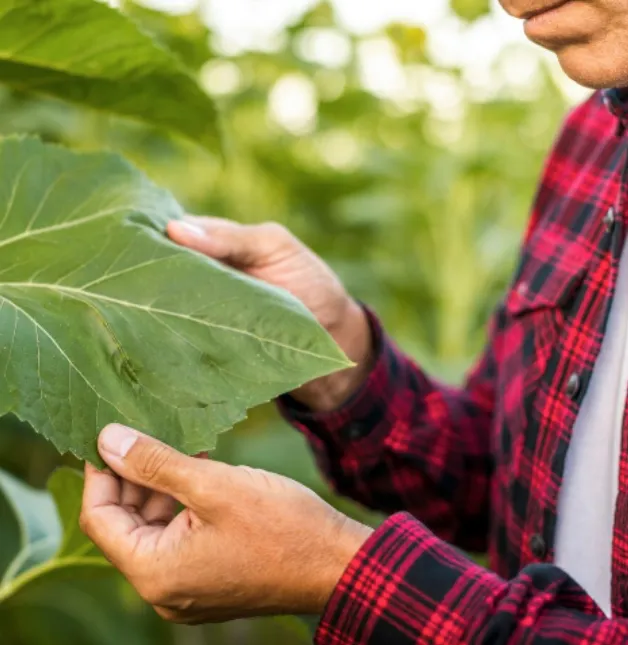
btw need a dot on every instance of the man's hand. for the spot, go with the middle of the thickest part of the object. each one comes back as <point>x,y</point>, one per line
<point>248,543</point>
<point>270,253</point>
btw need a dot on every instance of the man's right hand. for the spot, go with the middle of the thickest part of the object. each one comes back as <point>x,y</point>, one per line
<point>269,252</point>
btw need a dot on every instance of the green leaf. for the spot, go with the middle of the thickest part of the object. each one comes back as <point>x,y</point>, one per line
<point>52,546</point>
<point>10,536</point>
<point>73,596</point>
<point>186,35</point>
<point>31,527</point>
<point>88,53</point>
<point>66,487</point>
<point>103,319</point>
<point>80,611</point>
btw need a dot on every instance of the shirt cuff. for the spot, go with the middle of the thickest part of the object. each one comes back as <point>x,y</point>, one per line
<point>364,413</point>
<point>405,586</point>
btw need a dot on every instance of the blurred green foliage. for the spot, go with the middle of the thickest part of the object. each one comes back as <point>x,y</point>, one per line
<point>418,203</point>
<point>471,9</point>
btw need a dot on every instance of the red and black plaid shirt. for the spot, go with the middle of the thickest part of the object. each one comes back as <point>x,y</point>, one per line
<point>481,466</point>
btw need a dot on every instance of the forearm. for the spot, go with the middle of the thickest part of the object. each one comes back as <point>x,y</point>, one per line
<point>354,336</point>
<point>407,442</point>
<point>406,586</point>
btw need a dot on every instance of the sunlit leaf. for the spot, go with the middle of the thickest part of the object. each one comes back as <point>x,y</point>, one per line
<point>186,35</point>
<point>86,52</point>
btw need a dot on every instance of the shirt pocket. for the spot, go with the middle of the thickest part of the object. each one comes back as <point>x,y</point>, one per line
<point>543,285</point>
<point>537,311</point>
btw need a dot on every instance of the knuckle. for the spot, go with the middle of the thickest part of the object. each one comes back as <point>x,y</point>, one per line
<point>201,489</point>
<point>272,237</point>
<point>249,474</point>
<point>258,478</point>
<point>198,488</point>
<point>275,231</point>
<point>151,461</point>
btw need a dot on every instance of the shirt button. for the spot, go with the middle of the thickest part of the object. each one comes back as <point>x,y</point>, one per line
<point>610,218</point>
<point>356,431</point>
<point>573,385</point>
<point>538,546</point>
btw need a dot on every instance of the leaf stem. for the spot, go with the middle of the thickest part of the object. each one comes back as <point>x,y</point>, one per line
<point>17,584</point>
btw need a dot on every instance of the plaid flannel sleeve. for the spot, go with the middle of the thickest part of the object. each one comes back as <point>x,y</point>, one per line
<point>407,587</point>
<point>406,442</point>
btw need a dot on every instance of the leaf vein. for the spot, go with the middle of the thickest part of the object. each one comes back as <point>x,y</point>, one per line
<point>71,364</point>
<point>165,312</point>
<point>65,225</point>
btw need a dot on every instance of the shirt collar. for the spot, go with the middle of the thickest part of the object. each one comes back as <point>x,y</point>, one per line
<point>616,100</point>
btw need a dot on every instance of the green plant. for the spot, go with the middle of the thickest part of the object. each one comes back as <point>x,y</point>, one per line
<point>40,534</point>
<point>102,318</point>
<point>419,211</point>
<point>88,53</point>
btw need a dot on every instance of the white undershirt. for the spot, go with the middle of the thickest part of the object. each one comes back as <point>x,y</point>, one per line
<point>586,504</point>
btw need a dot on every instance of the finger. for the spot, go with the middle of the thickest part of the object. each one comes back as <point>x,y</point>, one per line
<point>159,508</point>
<point>102,488</point>
<point>150,463</point>
<point>133,497</point>
<point>103,520</point>
<point>230,242</point>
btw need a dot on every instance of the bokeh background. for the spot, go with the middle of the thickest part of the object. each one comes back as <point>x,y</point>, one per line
<point>402,140</point>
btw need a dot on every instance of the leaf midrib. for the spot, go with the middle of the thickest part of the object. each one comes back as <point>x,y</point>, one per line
<point>79,294</point>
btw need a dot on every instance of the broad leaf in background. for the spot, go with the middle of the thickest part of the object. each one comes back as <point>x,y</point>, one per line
<point>103,319</point>
<point>30,532</point>
<point>52,543</point>
<point>73,595</point>
<point>80,610</point>
<point>55,588</point>
<point>10,531</point>
<point>86,52</point>
<point>66,487</point>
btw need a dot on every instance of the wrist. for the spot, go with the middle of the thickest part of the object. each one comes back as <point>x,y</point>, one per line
<point>343,545</point>
<point>353,335</point>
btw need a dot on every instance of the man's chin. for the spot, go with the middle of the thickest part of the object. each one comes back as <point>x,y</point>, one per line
<point>596,70</point>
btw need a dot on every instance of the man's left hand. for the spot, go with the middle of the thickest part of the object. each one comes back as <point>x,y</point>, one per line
<point>247,543</point>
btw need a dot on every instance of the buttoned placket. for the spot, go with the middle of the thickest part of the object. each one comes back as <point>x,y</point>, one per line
<point>611,239</point>
<point>616,232</point>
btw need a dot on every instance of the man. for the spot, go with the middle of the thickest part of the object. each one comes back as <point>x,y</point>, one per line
<point>529,458</point>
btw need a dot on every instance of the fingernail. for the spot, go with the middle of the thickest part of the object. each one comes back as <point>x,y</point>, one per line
<point>192,229</point>
<point>117,439</point>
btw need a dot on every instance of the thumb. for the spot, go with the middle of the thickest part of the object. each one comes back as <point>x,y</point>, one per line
<point>148,462</point>
<point>220,239</point>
